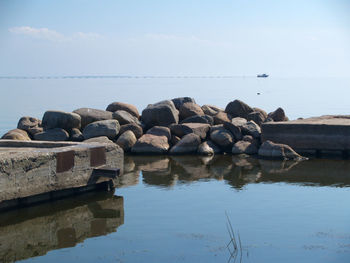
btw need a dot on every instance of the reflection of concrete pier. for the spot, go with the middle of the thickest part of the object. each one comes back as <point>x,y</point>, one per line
<point>34,231</point>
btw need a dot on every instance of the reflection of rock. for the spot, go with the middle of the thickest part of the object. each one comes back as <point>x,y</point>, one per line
<point>128,179</point>
<point>191,168</point>
<point>34,231</point>
<point>220,166</point>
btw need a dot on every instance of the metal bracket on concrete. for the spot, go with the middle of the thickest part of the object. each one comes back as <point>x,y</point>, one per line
<point>106,172</point>
<point>97,156</point>
<point>64,161</point>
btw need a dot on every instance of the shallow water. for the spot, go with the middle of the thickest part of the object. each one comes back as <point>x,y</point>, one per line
<point>173,209</point>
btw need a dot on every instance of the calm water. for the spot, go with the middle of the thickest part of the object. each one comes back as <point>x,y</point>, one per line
<point>173,209</point>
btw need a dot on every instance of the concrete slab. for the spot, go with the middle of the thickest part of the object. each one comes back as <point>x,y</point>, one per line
<point>325,133</point>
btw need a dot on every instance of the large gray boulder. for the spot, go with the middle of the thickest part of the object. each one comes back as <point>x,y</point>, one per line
<point>270,150</point>
<point>234,129</point>
<point>56,134</point>
<point>135,128</point>
<point>30,125</point>
<point>100,139</point>
<point>124,117</point>
<point>190,109</point>
<point>162,113</point>
<point>199,119</point>
<point>238,108</point>
<point>127,140</point>
<point>109,128</point>
<point>160,131</point>
<point>151,144</point>
<point>89,115</point>
<point>115,106</point>
<point>188,144</point>
<point>223,138</point>
<point>257,117</point>
<point>178,102</point>
<point>60,119</point>
<point>16,134</point>
<point>76,135</point>
<point>205,149</point>
<point>211,110</point>
<point>180,130</point>
<point>251,128</point>
<point>238,121</point>
<point>221,117</point>
<point>278,115</point>
<point>244,147</point>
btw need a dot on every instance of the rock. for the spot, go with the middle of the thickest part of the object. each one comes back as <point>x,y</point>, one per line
<point>151,144</point>
<point>30,125</point>
<point>124,117</point>
<point>178,102</point>
<point>109,128</point>
<point>251,128</point>
<point>76,135</point>
<point>205,149</point>
<point>16,134</point>
<point>248,138</point>
<point>135,128</point>
<point>272,150</point>
<point>174,139</point>
<point>180,130</point>
<point>127,140</point>
<point>160,131</point>
<point>56,134</point>
<point>244,147</point>
<point>215,148</point>
<point>60,119</point>
<point>190,109</point>
<point>162,113</point>
<point>89,115</point>
<point>216,127</point>
<point>238,108</point>
<point>188,144</point>
<point>223,138</point>
<point>257,117</point>
<point>261,111</point>
<point>199,119</point>
<point>211,110</point>
<point>234,129</point>
<point>100,139</point>
<point>221,118</point>
<point>278,115</point>
<point>238,121</point>
<point>115,106</point>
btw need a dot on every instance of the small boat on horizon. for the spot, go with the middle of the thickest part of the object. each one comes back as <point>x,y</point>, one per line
<point>262,75</point>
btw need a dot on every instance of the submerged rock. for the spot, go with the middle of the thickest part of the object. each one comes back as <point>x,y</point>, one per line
<point>272,150</point>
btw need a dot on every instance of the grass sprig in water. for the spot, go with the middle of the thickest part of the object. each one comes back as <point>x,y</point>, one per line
<point>234,246</point>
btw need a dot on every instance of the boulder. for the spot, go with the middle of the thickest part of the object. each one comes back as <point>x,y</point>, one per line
<point>199,119</point>
<point>180,130</point>
<point>60,119</point>
<point>56,134</point>
<point>248,138</point>
<point>270,150</point>
<point>124,117</point>
<point>178,102</point>
<point>221,118</point>
<point>215,148</point>
<point>115,106</point>
<point>135,128</point>
<point>244,147</point>
<point>257,117</point>
<point>109,128</point>
<point>160,131</point>
<point>89,115</point>
<point>174,139</point>
<point>211,110</point>
<point>127,140</point>
<point>30,125</point>
<point>238,121</point>
<point>238,108</point>
<point>251,128</point>
<point>205,149</point>
<point>216,127</point>
<point>188,144</point>
<point>278,115</point>
<point>190,109</point>
<point>223,138</point>
<point>264,113</point>
<point>151,144</point>
<point>162,113</point>
<point>100,139</point>
<point>234,129</point>
<point>16,134</point>
<point>76,135</point>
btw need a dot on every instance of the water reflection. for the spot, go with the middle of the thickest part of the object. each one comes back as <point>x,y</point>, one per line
<point>237,171</point>
<point>34,231</point>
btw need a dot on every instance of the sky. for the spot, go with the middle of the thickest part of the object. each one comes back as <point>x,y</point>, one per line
<point>184,37</point>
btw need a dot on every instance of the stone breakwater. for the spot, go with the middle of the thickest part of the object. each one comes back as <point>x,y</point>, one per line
<point>178,126</point>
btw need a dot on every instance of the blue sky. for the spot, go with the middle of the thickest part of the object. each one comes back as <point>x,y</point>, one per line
<point>284,38</point>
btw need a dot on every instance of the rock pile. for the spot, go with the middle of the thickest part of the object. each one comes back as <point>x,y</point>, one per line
<point>178,126</point>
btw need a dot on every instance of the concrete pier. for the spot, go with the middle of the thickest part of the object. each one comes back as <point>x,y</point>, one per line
<point>35,171</point>
<point>318,134</point>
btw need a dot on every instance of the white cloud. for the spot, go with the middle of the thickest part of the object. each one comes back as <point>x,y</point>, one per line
<point>51,35</point>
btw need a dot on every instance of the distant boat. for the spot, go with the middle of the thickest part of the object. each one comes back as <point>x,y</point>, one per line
<point>262,75</point>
